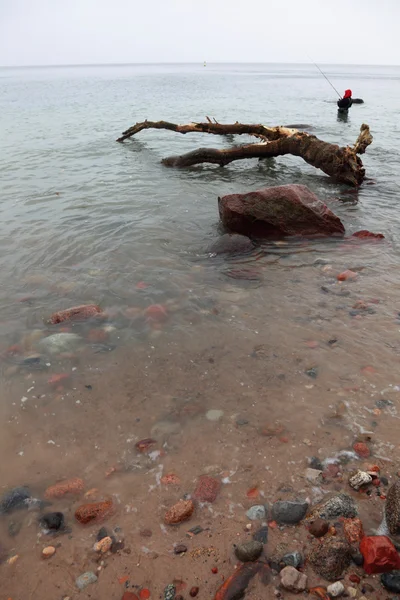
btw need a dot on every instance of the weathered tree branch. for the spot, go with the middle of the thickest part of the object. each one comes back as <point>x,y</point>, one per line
<point>341,163</point>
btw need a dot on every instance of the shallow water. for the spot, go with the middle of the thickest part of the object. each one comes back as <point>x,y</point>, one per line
<point>84,219</point>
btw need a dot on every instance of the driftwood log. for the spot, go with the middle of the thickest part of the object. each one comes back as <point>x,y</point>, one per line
<point>341,163</point>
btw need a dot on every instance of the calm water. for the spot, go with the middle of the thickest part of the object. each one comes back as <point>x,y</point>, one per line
<point>84,219</point>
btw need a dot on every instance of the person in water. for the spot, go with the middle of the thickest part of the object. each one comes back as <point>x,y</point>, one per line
<point>345,102</point>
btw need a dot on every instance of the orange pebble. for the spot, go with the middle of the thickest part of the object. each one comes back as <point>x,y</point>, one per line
<point>253,493</point>
<point>347,275</point>
<point>70,486</point>
<point>170,479</point>
<point>144,594</point>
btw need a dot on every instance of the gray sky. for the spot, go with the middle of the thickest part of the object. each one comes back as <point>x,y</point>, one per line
<point>46,32</point>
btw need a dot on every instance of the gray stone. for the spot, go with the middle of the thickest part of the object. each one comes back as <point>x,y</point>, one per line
<point>292,559</point>
<point>292,580</point>
<point>85,579</point>
<point>285,512</point>
<point>391,581</point>
<point>15,499</point>
<point>256,513</point>
<point>214,414</point>
<point>358,479</point>
<point>231,244</point>
<point>314,476</point>
<point>335,589</point>
<point>261,535</point>
<point>60,342</point>
<point>249,551</point>
<point>341,505</point>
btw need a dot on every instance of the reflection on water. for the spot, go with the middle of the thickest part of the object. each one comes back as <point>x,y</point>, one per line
<point>240,367</point>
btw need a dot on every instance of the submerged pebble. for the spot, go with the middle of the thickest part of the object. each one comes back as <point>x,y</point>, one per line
<point>60,342</point>
<point>214,414</point>
<point>256,513</point>
<point>249,551</point>
<point>53,521</point>
<point>85,579</point>
<point>15,499</point>
<point>289,513</point>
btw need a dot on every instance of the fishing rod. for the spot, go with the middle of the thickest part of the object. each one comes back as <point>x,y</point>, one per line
<point>331,84</point>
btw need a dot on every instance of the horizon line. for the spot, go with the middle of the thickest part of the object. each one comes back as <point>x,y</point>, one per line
<point>151,63</point>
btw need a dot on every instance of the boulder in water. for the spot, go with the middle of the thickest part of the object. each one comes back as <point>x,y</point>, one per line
<point>277,211</point>
<point>76,313</point>
<point>231,243</point>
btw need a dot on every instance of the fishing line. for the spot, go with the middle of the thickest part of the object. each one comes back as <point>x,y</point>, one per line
<point>331,84</point>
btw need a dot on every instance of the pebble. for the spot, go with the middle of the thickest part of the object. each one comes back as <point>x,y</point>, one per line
<point>181,511</point>
<point>13,559</point>
<point>85,579</point>
<point>391,581</point>
<point>129,596</point>
<point>314,476</point>
<point>379,554</point>
<point>15,499</point>
<point>261,535</point>
<point>180,549</point>
<point>207,489</point>
<point>14,528</point>
<point>69,486</point>
<point>315,463</point>
<point>249,551</point>
<point>53,521</point>
<point>289,513</point>
<point>313,372</point>
<point>76,313</point>
<point>48,551</point>
<point>59,343</point>
<point>95,511</point>
<point>331,558</point>
<point>214,414</point>
<point>292,580</point>
<point>163,429</point>
<point>256,513</point>
<point>194,591</point>
<point>169,592</point>
<point>319,528</point>
<point>353,530</point>
<point>341,505</point>
<point>231,243</point>
<point>361,449</point>
<point>103,545</point>
<point>358,479</point>
<point>292,559</point>
<point>346,275</point>
<point>352,592</point>
<point>336,589</point>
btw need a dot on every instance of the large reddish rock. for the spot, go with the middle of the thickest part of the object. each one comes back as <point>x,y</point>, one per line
<point>283,210</point>
<point>380,555</point>
<point>207,489</point>
<point>94,512</point>
<point>353,530</point>
<point>69,486</point>
<point>76,313</point>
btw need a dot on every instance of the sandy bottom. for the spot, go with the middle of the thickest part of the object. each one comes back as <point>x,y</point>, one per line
<point>295,373</point>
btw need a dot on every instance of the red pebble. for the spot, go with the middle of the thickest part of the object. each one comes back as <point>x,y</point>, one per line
<point>207,489</point>
<point>144,445</point>
<point>57,378</point>
<point>347,275</point>
<point>142,285</point>
<point>194,591</point>
<point>376,482</point>
<point>365,234</point>
<point>253,493</point>
<point>144,594</point>
<point>214,570</point>
<point>354,578</point>
<point>331,471</point>
<point>361,449</point>
<point>312,344</point>
<point>156,312</point>
<point>380,555</point>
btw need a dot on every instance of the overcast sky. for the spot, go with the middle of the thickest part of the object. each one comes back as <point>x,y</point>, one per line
<point>48,32</point>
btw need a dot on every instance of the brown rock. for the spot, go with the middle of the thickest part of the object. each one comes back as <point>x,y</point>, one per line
<point>319,528</point>
<point>181,511</point>
<point>292,580</point>
<point>207,489</point>
<point>76,313</point>
<point>194,591</point>
<point>353,530</point>
<point>330,558</point>
<point>392,508</point>
<point>283,210</point>
<point>103,545</point>
<point>70,486</point>
<point>129,596</point>
<point>180,549</point>
<point>48,552</point>
<point>93,512</point>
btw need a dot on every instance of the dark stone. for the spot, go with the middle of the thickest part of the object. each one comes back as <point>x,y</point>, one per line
<point>261,535</point>
<point>241,422</point>
<point>383,403</point>
<point>313,372</point>
<point>180,549</point>
<point>102,533</point>
<point>15,499</point>
<point>315,463</point>
<point>194,591</point>
<point>391,581</point>
<point>330,558</point>
<point>384,480</point>
<point>249,551</point>
<point>292,559</point>
<point>341,505</point>
<point>357,559</point>
<point>53,521</point>
<point>332,341</point>
<point>231,243</point>
<point>367,588</point>
<point>319,528</point>
<point>275,211</point>
<point>289,513</point>
<point>14,528</point>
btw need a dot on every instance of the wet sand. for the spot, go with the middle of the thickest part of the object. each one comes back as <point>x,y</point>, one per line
<point>296,371</point>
